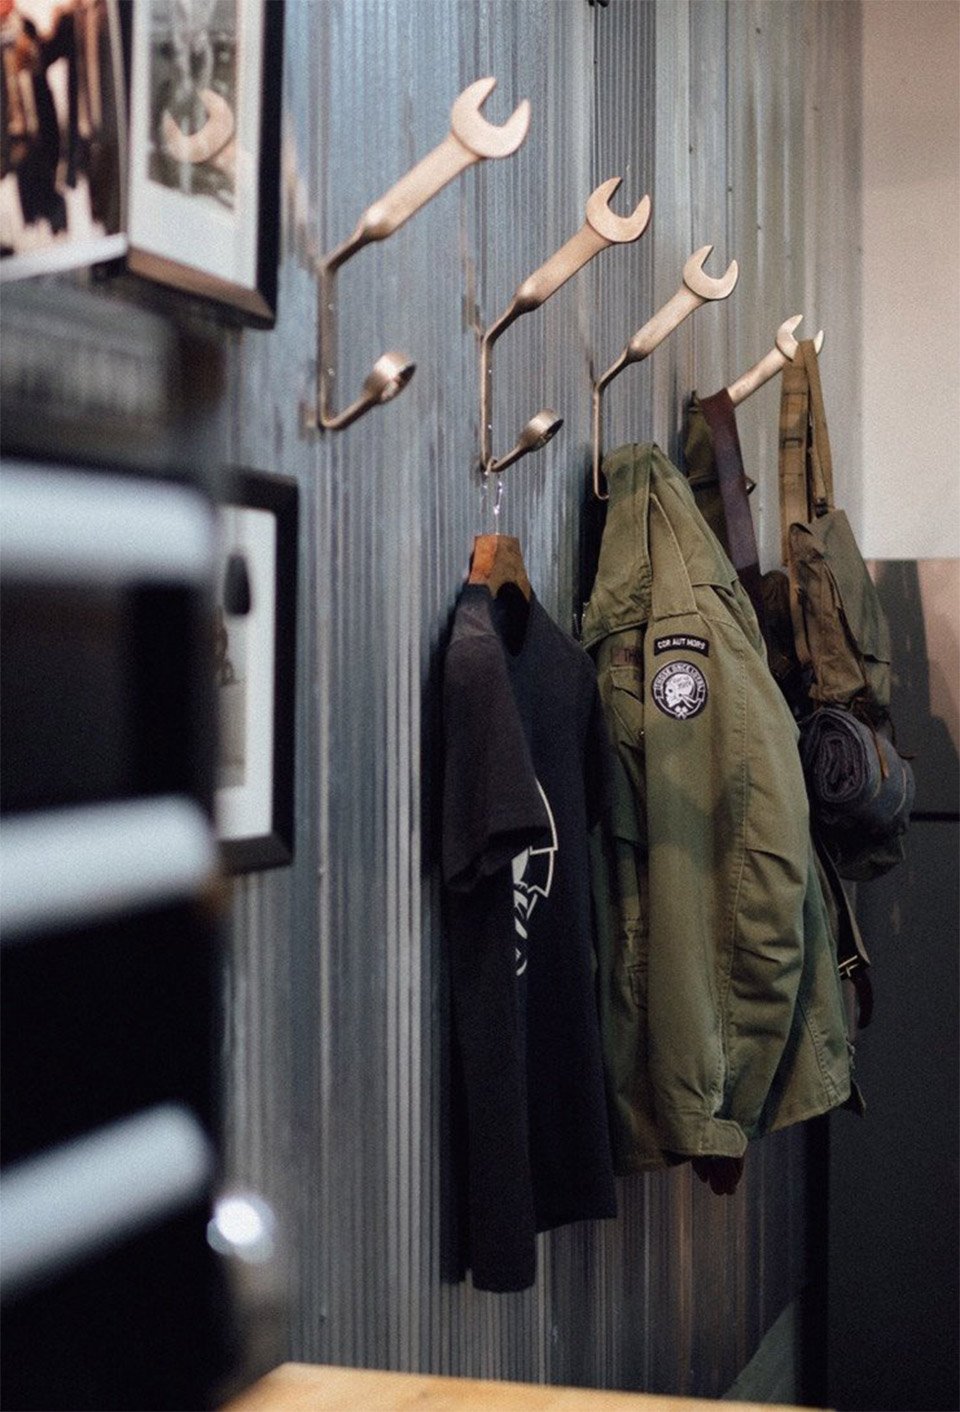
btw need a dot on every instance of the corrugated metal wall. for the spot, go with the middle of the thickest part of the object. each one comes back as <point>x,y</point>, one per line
<point>740,119</point>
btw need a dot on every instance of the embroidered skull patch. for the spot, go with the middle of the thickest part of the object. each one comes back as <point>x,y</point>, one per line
<point>680,690</point>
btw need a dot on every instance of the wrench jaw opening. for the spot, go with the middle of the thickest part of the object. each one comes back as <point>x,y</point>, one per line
<point>773,362</point>
<point>483,138</point>
<point>786,342</point>
<point>616,230</point>
<point>703,285</point>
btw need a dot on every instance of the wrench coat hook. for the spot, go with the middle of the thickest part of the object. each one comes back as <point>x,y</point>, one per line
<point>471,139</point>
<point>697,288</point>
<point>601,229</point>
<point>783,352</point>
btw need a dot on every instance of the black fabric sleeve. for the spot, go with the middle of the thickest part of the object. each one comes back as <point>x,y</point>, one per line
<point>597,762</point>
<point>492,806</point>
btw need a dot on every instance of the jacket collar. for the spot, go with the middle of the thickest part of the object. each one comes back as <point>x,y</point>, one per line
<point>652,523</point>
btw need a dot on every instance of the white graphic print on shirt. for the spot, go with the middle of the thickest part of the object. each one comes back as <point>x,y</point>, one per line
<point>532,878</point>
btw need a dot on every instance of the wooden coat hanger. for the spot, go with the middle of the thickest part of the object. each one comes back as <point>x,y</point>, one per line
<point>496,561</point>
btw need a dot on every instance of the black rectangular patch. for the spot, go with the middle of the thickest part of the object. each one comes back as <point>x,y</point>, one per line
<point>681,642</point>
<point>627,657</point>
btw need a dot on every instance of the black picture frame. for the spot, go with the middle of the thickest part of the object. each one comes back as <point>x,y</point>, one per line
<point>255,596</point>
<point>198,221</point>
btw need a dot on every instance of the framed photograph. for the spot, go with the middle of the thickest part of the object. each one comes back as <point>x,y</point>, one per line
<point>62,136</point>
<point>205,94</point>
<point>254,653</point>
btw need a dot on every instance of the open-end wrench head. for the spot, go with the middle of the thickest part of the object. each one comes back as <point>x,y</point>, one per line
<point>619,230</point>
<point>702,284</point>
<point>485,139</point>
<point>785,340</point>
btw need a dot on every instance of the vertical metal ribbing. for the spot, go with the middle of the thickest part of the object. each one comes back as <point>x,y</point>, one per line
<point>333,1046</point>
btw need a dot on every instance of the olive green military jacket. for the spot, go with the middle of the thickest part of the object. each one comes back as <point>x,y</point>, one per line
<point>720,999</point>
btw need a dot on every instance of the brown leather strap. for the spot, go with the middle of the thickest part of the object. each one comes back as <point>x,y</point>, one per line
<point>720,417</point>
<point>820,487</point>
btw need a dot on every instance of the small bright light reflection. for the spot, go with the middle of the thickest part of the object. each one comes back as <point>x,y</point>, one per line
<point>242,1226</point>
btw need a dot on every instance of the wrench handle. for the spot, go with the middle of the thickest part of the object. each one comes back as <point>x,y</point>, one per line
<point>414,189</point>
<point>560,267</point>
<point>663,322</point>
<point>768,367</point>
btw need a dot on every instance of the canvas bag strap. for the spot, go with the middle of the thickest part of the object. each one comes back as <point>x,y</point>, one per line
<point>820,465</point>
<point>794,499</point>
<point>794,431</point>
<point>720,417</point>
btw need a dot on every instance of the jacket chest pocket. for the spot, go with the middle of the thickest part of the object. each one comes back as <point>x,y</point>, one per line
<point>622,692</point>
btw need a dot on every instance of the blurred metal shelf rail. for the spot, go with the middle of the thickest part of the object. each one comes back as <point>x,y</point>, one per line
<point>73,867</point>
<point>109,913</point>
<point>91,528</point>
<point>81,1197</point>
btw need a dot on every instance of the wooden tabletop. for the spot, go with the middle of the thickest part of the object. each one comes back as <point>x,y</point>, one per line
<point>306,1387</point>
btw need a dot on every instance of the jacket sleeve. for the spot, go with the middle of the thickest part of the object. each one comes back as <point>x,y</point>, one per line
<point>728,856</point>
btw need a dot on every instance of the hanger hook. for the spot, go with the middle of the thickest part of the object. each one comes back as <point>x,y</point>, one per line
<point>601,228</point>
<point>697,288</point>
<point>471,139</point>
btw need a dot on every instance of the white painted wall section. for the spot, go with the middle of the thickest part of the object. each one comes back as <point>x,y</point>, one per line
<point>911,279</point>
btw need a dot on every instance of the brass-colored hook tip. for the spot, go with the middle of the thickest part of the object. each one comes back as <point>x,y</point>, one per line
<point>539,430</point>
<point>388,377</point>
<point>788,344</point>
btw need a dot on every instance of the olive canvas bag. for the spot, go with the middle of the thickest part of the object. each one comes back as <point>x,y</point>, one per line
<point>861,788</point>
<point>839,626</point>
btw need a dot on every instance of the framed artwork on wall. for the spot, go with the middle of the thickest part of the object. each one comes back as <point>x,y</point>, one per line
<point>62,136</point>
<point>205,95</point>
<point>254,657</point>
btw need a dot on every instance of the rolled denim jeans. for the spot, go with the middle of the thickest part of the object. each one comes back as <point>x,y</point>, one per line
<point>855,775</point>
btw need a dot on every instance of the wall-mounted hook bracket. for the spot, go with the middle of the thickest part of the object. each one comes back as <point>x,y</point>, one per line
<point>783,352</point>
<point>697,288</point>
<point>601,229</point>
<point>470,139</point>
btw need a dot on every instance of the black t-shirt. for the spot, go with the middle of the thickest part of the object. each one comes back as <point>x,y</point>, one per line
<point>525,758</point>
